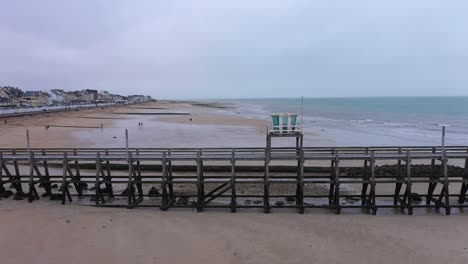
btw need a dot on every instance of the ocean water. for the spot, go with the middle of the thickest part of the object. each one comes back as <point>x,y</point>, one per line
<point>371,121</point>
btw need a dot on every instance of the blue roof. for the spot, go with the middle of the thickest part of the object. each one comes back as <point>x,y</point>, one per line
<point>32,93</point>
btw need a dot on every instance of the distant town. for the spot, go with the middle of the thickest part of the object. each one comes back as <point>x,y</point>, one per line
<point>14,97</point>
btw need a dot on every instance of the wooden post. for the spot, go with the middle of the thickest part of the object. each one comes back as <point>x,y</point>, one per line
<point>65,191</point>
<point>31,194</point>
<point>398,185</point>
<point>108,185</point>
<point>164,198</point>
<point>337,184</point>
<point>464,187</point>
<point>446,182</point>
<point>432,177</point>
<point>332,178</point>
<point>266,183</point>
<point>130,197</point>
<point>200,197</point>
<point>372,190</point>
<point>300,184</point>
<point>2,188</point>
<point>170,177</point>
<point>17,175</point>
<point>408,194</point>
<point>78,184</point>
<point>233,182</point>
<point>139,178</point>
<point>97,188</point>
<point>28,142</point>
<point>365,178</point>
<point>46,181</point>
<point>126,142</point>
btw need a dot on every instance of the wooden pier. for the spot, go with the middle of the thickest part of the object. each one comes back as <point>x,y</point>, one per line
<point>240,177</point>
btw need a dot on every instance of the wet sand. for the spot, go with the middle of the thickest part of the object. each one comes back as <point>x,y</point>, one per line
<point>162,127</point>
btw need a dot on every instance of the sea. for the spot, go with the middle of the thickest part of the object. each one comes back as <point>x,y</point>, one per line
<point>410,121</point>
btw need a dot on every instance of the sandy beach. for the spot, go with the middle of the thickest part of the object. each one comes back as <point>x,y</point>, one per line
<point>47,232</point>
<point>50,233</point>
<point>165,124</point>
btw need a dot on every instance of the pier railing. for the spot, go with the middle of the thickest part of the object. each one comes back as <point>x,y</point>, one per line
<point>335,178</point>
<point>20,110</point>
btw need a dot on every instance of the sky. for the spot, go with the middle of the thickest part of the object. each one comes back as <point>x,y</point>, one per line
<point>237,49</point>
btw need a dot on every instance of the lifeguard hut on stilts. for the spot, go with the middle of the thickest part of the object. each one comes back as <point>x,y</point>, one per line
<point>285,125</point>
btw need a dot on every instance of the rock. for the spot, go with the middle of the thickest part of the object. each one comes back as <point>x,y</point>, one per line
<point>84,185</point>
<point>290,199</point>
<point>18,197</point>
<point>6,193</point>
<point>182,201</point>
<point>279,203</point>
<point>125,192</point>
<point>416,197</point>
<point>352,200</point>
<point>56,196</point>
<point>153,192</point>
<point>33,197</point>
<point>61,188</point>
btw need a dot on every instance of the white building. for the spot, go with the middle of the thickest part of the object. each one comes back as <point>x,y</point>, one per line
<point>56,96</point>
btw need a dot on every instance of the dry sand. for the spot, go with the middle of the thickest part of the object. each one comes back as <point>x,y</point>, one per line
<point>48,233</point>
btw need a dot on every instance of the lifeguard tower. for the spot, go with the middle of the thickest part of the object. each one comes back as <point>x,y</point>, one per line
<point>284,125</point>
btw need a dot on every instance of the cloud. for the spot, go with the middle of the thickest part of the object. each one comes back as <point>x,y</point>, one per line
<point>219,49</point>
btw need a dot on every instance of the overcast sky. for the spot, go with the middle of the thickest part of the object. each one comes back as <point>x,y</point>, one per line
<point>237,49</point>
